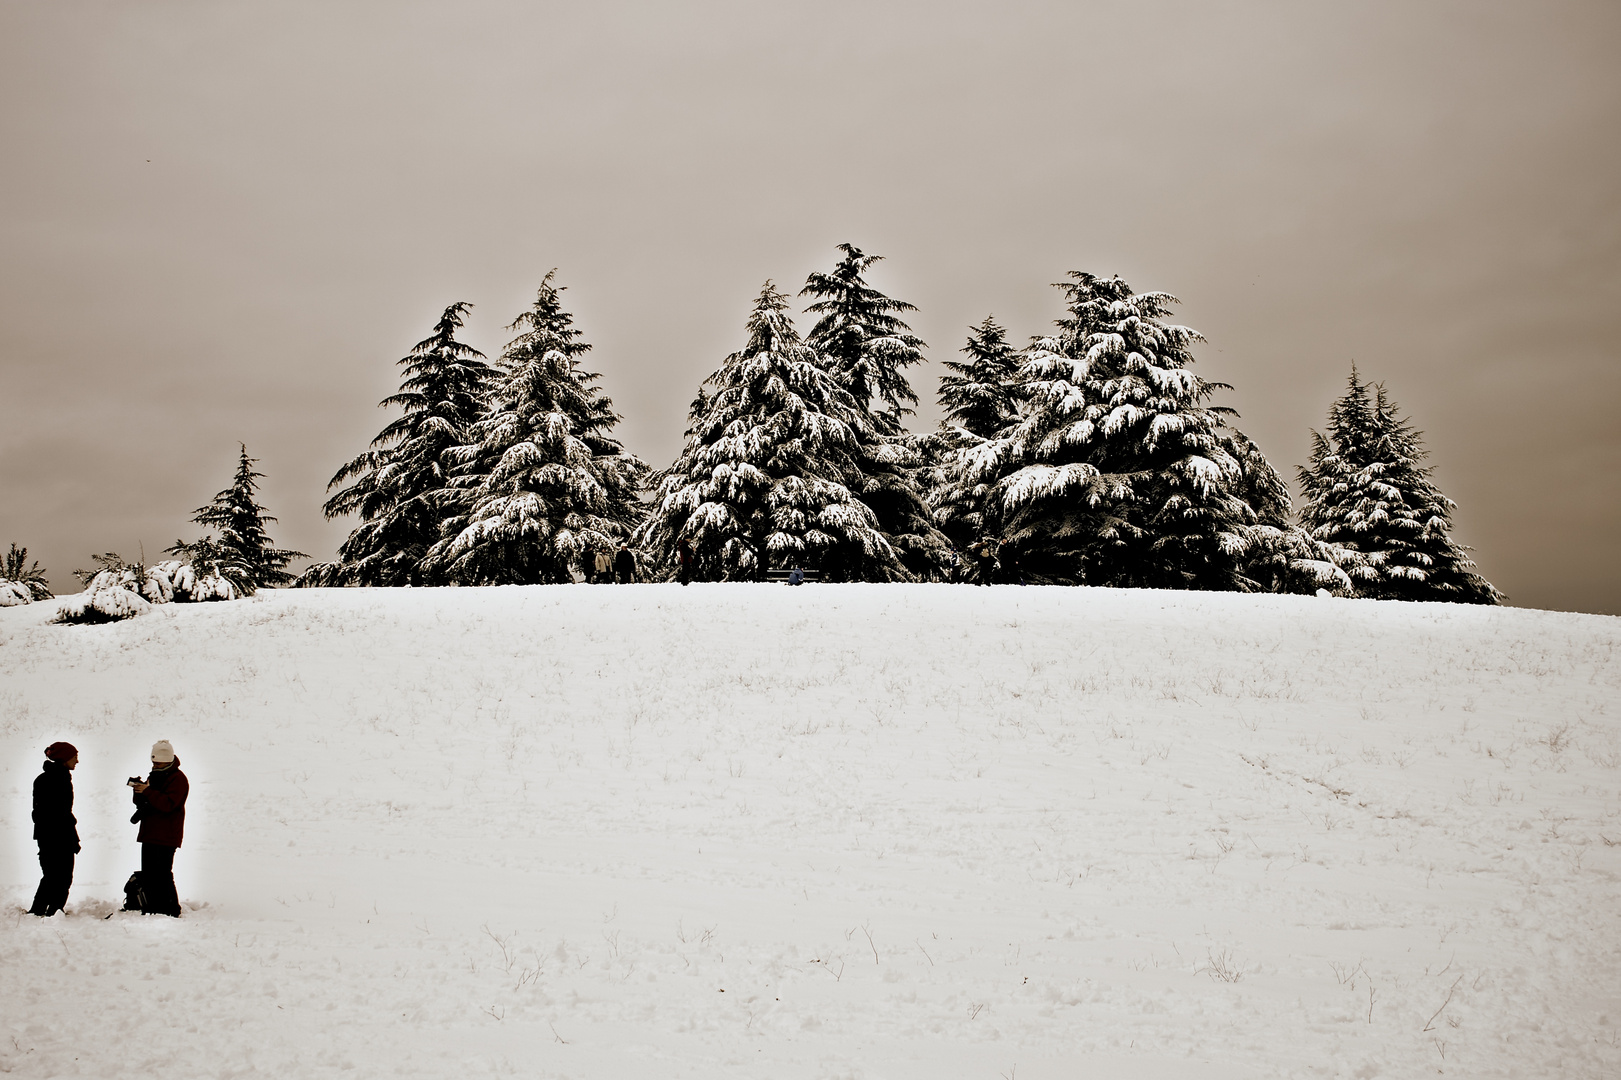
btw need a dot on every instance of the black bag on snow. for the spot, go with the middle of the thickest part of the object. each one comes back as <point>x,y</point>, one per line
<point>135,894</point>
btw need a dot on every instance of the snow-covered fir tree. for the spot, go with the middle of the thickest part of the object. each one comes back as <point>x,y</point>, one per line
<point>864,344</point>
<point>1116,472</point>
<point>980,402</point>
<point>27,577</point>
<point>1366,489</point>
<point>861,338</point>
<point>241,523</point>
<point>541,480</point>
<point>978,396</point>
<point>397,487</point>
<point>763,478</point>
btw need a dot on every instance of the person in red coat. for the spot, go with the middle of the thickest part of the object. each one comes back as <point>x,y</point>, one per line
<point>56,830</point>
<point>160,807</point>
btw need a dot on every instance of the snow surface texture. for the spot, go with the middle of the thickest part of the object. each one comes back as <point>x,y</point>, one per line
<point>836,831</point>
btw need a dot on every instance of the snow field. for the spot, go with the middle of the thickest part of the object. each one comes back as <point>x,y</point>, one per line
<point>827,832</point>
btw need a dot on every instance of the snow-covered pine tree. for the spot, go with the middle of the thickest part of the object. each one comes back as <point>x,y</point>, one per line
<point>979,402</point>
<point>978,395</point>
<point>1116,472</point>
<point>28,577</point>
<point>1366,489</point>
<point>241,521</point>
<point>541,479</point>
<point>762,480</point>
<point>862,339</point>
<point>397,486</point>
<point>866,347</point>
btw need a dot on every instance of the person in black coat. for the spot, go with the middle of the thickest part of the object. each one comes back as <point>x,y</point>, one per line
<point>56,830</point>
<point>984,554</point>
<point>625,565</point>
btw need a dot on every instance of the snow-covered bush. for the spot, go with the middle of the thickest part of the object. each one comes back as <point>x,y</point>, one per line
<point>120,590</point>
<point>150,583</point>
<point>114,573</point>
<point>191,583</point>
<point>204,571</point>
<point>100,604</point>
<point>13,593</point>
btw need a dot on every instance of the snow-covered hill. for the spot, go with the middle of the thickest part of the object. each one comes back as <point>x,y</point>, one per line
<point>835,831</point>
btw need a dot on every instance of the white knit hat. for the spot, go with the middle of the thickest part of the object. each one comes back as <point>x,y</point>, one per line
<point>162,751</point>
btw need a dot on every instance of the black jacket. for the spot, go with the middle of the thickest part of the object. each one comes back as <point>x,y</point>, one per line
<point>55,827</point>
<point>625,564</point>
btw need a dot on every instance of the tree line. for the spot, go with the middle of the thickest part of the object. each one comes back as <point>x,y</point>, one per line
<point>1093,455</point>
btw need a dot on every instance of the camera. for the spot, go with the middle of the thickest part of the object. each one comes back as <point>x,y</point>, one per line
<point>132,781</point>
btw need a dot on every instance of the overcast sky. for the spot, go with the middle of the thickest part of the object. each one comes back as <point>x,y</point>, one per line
<point>226,222</point>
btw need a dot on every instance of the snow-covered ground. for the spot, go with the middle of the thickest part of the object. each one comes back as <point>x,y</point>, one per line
<point>835,831</point>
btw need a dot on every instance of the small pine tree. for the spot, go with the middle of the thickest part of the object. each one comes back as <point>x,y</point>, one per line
<point>541,480</point>
<point>762,480</point>
<point>29,576</point>
<point>1366,490</point>
<point>978,396</point>
<point>398,486</point>
<point>241,522</point>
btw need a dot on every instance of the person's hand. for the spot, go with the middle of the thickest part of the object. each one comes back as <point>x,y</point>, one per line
<point>140,787</point>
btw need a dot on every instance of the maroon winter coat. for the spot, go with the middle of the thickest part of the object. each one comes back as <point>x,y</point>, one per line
<point>161,808</point>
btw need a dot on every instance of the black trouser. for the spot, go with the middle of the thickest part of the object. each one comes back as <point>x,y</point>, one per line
<point>157,879</point>
<point>987,570</point>
<point>56,878</point>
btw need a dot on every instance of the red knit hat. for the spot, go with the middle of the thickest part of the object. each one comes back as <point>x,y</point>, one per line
<point>61,751</point>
